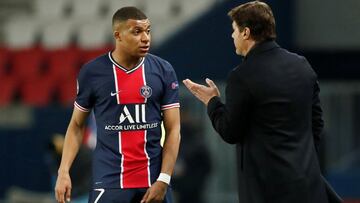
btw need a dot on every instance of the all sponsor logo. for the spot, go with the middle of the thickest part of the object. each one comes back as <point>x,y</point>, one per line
<point>132,117</point>
<point>139,115</point>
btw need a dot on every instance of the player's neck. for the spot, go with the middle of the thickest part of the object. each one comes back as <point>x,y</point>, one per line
<point>126,61</point>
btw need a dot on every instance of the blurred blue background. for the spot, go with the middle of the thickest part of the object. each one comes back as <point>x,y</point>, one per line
<point>43,43</point>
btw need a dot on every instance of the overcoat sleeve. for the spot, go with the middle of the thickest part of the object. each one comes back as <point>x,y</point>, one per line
<point>317,121</point>
<point>230,119</point>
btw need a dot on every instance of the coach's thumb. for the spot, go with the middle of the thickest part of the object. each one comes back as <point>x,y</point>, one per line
<point>210,82</point>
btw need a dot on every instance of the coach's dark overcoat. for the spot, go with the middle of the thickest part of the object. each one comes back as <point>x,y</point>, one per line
<point>273,115</point>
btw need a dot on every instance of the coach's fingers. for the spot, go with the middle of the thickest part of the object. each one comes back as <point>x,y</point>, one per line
<point>192,86</point>
<point>188,83</point>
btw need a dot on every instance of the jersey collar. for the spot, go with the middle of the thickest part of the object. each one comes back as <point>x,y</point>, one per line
<point>124,69</point>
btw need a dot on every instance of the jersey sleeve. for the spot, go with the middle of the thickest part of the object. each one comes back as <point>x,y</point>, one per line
<point>83,100</point>
<point>171,92</point>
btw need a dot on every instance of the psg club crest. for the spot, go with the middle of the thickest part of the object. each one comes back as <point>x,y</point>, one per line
<point>146,91</point>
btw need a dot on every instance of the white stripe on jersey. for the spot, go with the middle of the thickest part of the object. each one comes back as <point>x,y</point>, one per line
<point>170,106</point>
<point>116,85</point>
<point>143,73</point>
<point>122,162</point>
<point>83,109</point>
<point>148,158</point>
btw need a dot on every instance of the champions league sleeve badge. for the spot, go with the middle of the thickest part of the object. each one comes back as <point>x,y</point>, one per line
<point>146,91</point>
<point>175,85</point>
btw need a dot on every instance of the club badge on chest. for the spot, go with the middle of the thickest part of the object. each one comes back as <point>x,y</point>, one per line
<point>146,91</point>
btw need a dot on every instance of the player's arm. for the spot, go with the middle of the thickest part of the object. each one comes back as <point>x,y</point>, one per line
<point>72,143</point>
<point>172,140</point>
<point>170,152</point>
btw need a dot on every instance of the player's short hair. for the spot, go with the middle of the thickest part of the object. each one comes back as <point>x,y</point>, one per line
<point>258,17</point>
<point>126,13</point>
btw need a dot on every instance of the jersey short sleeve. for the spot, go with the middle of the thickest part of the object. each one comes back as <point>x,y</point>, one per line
<point>171,93</point>
<point>83,98</point>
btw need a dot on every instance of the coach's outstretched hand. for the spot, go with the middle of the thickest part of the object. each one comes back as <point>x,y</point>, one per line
<point>63,187</point>
<point>156,193</point>
<point>202,92</point>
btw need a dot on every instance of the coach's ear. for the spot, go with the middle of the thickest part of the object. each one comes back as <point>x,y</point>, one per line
<point>246,33</point>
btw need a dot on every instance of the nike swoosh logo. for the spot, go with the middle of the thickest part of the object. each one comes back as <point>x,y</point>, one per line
<point>114,93</point>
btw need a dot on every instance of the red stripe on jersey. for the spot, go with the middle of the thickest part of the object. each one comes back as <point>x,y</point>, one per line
<point>135,162</point>
<point>129,86</point>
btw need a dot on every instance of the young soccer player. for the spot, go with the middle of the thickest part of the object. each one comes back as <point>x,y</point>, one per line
<point>131,92</point>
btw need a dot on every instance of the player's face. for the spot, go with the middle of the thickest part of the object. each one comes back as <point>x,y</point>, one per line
<point>238,39</point>
<point>136,37</point>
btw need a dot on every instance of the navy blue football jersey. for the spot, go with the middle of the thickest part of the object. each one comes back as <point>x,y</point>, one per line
<point>128,107</point>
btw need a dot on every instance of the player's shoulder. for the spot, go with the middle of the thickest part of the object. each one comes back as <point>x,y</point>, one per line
<point>153,59</point>
<point>100,60</point>
<point>93,64</point>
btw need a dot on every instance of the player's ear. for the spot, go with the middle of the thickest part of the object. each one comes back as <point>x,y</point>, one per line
<point>117,35</point>
<point>117,28</point>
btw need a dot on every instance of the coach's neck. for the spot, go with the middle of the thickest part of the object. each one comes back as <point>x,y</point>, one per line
<point>248,46</point>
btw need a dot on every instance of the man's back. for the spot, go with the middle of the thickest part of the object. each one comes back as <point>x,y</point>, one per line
<point>272,112</point>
